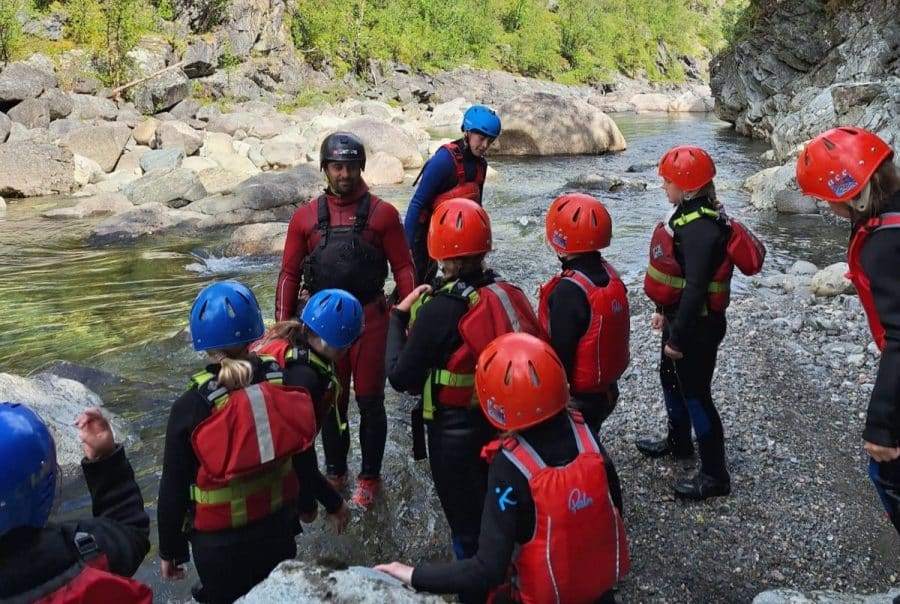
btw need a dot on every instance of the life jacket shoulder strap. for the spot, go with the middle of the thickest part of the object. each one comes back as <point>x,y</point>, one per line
<point>359,222</point>
<point>700,212</point>
<point>583,436</point>
<point>457,155</point>
<point>888,220</point>
<point>522,455</point>
<point>579,279</point>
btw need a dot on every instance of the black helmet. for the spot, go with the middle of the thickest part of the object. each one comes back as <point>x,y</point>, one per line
<point>342,147</point>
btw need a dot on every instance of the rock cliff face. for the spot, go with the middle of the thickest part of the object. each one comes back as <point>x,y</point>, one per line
<point>809,65</point>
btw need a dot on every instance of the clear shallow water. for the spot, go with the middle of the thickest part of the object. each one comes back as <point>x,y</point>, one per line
<point>123,309</point>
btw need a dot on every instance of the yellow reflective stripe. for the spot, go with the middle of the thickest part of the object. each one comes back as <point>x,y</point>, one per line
<point>261,423</point>
<point>692,216</point>
<point>427,399</point>
<point>242,488</point>
<point>328,368</point>
<point>200,378</point>
<point>715,287</point>
<point>445,377</point>
<point>238,512</point>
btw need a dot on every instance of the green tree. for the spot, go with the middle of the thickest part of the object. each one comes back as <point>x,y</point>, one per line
<point>10,28</point>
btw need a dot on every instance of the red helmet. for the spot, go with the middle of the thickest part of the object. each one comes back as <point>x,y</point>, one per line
<point>520,382</point>
<point>688,167</point>
<point>459,227</point>
<point>578,223</point>
<point>838,163</point>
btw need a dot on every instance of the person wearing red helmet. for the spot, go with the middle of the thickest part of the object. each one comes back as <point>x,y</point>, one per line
<point>584,308</point>
<point>552,527</point>
<point>851,169</point>
<point>689,277</point>
<point>345,239</point>
<point>434,339</point>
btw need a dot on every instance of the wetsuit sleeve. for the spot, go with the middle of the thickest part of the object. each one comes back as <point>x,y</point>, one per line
<point>178,473</point>
<point>570,317</point>
<point>396,249</point>
<point>313,486</point>
<point>438,176</point>
<point>408,359</point>
<point>301,374</point>
<point>120,524</point>
<point>699,240</point>
<point>292,264</point>
<point>879,257</point>
<point>506,508</point>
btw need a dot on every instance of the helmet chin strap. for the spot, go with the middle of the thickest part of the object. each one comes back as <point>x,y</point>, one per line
<point>860,203</point>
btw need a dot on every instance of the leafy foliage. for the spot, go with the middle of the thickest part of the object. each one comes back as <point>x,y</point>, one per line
<point>10,28</point>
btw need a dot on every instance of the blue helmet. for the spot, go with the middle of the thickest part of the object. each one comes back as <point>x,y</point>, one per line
<point>225,314</point>
<point>335,316</point>
<point>481,119</point>
<point>27,468</point>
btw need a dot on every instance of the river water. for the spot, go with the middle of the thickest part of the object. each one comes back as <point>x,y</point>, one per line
<point>124,309</point>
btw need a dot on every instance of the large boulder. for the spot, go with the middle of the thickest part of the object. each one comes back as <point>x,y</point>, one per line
<point>31,113</point>
<point>270,190</point>
<point>255,25</point>
<point>161,158</point>
<point>148,219</point>
<point>179,135</point>
<point>547,124</point>
<point>87,171</point>
<point>830,281</point>
<point>102,204</point>
<point>765,185</point>
<point>88,107</point>
<point>201,58</point>
<point>5,127</point>
<point>161,92</point>
<point>20,81</point>
<point>263,239</point>
<point>282,154</point>
<point>380,136</point>
<point>383,169</point>
<point>253,125</point>
<point>174,187</point>
<point>30,169</point>
<point>145,132</point>
<point>103,144</point>
<point>59,401</point>
<point>296,581</point>
<point>59,103</point>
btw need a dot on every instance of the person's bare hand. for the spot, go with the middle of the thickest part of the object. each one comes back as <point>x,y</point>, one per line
<point>171,571</point>
<point>657,321</point>
<point>401,572</point>
<point>414,295</point>
<point>673,353</point>
<point>97,438</point>
<point>881,453</point>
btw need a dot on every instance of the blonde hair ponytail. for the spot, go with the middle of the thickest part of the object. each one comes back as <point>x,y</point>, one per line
<point>235,373</point>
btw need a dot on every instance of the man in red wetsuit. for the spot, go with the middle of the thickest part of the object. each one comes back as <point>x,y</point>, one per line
<point>345,239</point>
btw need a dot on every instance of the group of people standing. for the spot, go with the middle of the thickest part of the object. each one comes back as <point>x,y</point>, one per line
<point>512,400</point>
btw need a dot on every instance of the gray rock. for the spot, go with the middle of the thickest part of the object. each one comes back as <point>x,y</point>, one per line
<point>266,191</point>
<point>145,132</point>
<point>31,169</point>
<point>145,220</point>
<point>104,144</point>
<point>60,128</point>
<point>263,239</point>
<point>383,169</point>
<point>87,107</point>
<point>87,171</point>
<point>103,204</point>
<point>130,162</point>
<point>129,116</point>
<point>5,126</point>
<point>282,154</point>
<point>795,202</point>
<point>217,180</point>
<point>175,187</point>
<point>58,401</point>
<point>208,112</point>
<point>791,596</point>
<point>20,81</point>
<point>547,124</point>
<point>31,113</point>
<point>48,27</point>
<point>216,205</point>
<point>86,85</point>
<point>258,126</point>
<point>162,92</point>
<point>608,182</point>
<point>162,158</point>
<point>380,136</point>
<point>255,25</point>
<point>830,281</point>
<point>802,267</point>
<point>185,110</point>
<point>60,104</point>
<point>180,135</point>
<point>295,581</point>
<point>201,58</point>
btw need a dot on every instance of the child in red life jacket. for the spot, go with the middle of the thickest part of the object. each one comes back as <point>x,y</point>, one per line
<point>85,560</point>
<point>584,308</point>
<point>433,341</point>
<point>689,279</point>
<point>330,321</point>
<point>552,528</point>
<point>238,446</point>
<point>851,169</point>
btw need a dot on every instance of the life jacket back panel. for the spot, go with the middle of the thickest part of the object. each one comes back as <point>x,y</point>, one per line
<point>88,580</point>
<point>603,351</point>
<point>465,188</point>
<point>343,259</point>
<point>579,549</point>
<point>244,450</point>
<point>856,274</point>
<point>745,249</point>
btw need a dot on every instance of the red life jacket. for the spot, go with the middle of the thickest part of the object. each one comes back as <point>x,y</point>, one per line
<point>579,549</point>
<point>465,189</point>
<point>283,352</point>
<point>602,354</point>
<point>888,220</point>
<point>244,449</point>
<point>88,580</point>
<point>664,280</point>
<point>494,310</point>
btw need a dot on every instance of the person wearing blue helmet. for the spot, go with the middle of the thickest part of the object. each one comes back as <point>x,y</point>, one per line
<point>457,170</point>
<point>239,465</point>
<point>85,560</point>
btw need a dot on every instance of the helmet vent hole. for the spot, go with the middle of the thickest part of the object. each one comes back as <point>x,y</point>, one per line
<point>202,310</point>
<point>488,361</point>
<point>483,219</point>
<point>459,221</point>
<point>576,215</point>
<point>828,144</point>
<point>231,313</point>
<point>532,374</point>
<point>507,378</point>
<point>593,218</point>
<point>339,306</point>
